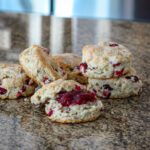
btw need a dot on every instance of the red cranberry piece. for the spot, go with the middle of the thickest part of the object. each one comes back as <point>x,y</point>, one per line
<point>133,78</point>
<point>23,89</point>
<point>31,94</point>
<point>3,91</point>
<point>46,80</point>
<point>77,87</point>
<point>75,97</point>
<point>83,67</point>
<point>50,113</point>
<point>106,93</point>
<point>117,64</point>
<point>113,44</point>
<point>119,73</point>
<point>62,92</point>
<point>19,94</point>
<point>27,81</point>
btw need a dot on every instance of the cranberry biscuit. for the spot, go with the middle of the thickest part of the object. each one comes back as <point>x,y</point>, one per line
<point>105,60</point>
<point>68,102</point>
<point>69,64</point>
<point>125,86</point>
<point>67,60</point>
<point>14,83</point>
<point>38,65</point>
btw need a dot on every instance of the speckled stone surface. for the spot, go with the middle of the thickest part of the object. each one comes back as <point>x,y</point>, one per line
<point>123,125</point>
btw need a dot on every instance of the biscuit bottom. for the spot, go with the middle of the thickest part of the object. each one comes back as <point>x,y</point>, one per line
<point>74,113</point>
<point>116,87</point>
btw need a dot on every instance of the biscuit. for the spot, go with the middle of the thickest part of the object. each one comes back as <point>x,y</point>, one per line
<point>38,65</point>
<point>105,60</point>
<point>68,60</point>
<point>67,101</point>
<point>69,64</point>
<point>125,86</point>
<point>14,83</point>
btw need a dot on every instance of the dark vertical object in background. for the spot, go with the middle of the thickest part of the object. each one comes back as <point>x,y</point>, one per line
<point>45,31</point>
<point>142,10</point>
<point>51,7</point>
<point>67,41</point>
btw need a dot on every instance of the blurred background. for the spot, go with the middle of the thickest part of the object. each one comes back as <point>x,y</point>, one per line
<point>138,10</point>
<point>48,23</point>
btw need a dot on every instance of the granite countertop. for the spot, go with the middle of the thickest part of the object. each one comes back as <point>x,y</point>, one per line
<point>123,125</point>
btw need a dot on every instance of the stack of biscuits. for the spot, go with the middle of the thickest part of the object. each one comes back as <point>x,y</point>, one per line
<point>71,87</point>
<point>108,66</point>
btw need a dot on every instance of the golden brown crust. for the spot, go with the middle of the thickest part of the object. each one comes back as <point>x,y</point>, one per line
<point>77,76</point>
<point>44,59</point>
<point>67,60</point>
<point>44,64</point>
